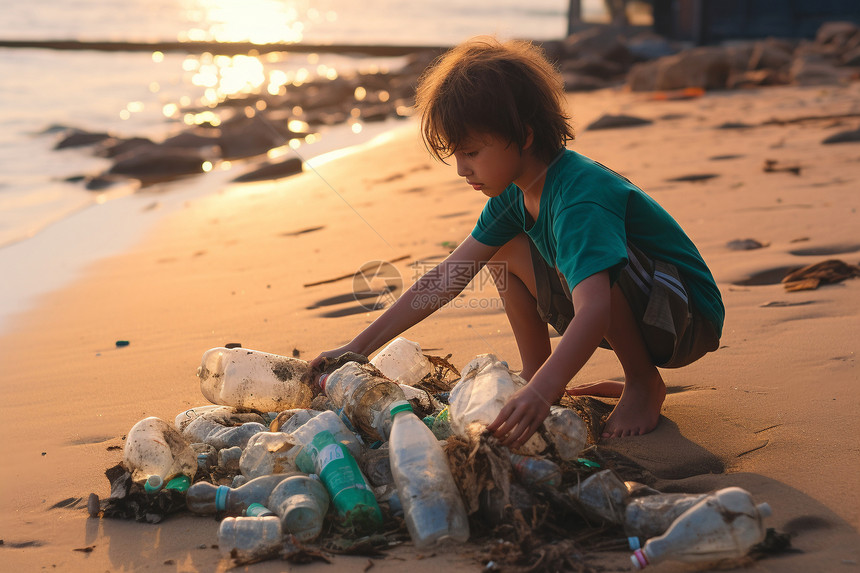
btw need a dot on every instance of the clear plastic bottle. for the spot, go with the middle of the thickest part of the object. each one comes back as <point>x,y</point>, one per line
<point>301,502</point>
<point>331,422</point>
<point>479,396</point>
<point>269,453</point>
<point>261,381</point>
<point>206,431</point>
<point>154,448</point>
<point>364,396</point>
<point>536,471</point>
<point>724,525</point>
<point>652,515</point>
<point>207,499</point>
<point>350,493</point>
<point>402,361</point>
<point>567,432</point>
<point>602,496</point>
<point>432,505</point>
<point>248,539</point>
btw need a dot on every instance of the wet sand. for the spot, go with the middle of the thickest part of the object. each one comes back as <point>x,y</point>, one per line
<point>773,411</point>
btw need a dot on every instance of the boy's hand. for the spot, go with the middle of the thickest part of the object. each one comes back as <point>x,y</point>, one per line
<point>523,414</point>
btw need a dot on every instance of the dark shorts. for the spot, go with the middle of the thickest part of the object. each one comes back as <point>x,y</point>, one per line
<point>675,333</point>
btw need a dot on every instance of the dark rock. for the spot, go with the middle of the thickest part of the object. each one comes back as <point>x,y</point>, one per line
<point>852,136</point>
<point>616,121</point>
<point>115,146</point>
<point>270,171</point>
<point>837,36</point>
<point>574,82</point>
<point>851,57</point>
<point>811,71</point>
<point>771,55</point>
<point>707,68</point>
<point>593,66</point>
<point>193,139</point>
<point>102,182</point>
<point>80,138</point>
<point>745,245</point>
<point>244,137</point>
<point>605,43</point>
<point>154,164</point>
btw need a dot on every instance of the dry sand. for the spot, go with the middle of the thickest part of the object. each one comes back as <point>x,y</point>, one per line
<point>773,411</point>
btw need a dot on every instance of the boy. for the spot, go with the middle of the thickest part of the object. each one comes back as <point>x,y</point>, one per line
<point>583,248</point>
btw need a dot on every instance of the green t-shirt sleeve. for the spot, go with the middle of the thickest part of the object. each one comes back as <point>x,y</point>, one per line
<point>499,221</point>
<point>590,238</point>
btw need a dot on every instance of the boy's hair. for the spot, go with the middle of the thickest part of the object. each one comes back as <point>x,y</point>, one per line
<point>487,86</point>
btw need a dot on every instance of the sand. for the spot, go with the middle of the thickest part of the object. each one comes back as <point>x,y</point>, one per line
<point>773,411</point>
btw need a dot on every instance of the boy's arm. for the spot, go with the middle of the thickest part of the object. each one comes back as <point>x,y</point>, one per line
<point>528,407</point>
<point>428,294</point>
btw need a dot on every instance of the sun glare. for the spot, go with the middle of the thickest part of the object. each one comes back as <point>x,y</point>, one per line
<point>257,21</point>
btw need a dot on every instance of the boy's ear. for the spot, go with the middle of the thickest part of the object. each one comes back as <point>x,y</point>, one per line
<point>530,137</point>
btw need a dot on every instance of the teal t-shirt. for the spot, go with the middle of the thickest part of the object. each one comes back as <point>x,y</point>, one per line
<point>588,215</point>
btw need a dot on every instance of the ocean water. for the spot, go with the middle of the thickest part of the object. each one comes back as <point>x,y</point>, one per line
<point>50,228</point>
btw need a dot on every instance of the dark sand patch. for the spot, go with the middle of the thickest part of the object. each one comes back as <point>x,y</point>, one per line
<point>827,250</point>
<point>302,231</point>
<point>767,277</point>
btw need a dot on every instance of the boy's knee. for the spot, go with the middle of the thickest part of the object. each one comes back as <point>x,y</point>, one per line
<point>513,258</point>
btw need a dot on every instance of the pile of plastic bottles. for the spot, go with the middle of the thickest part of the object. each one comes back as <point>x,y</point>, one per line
<point>272,466</point>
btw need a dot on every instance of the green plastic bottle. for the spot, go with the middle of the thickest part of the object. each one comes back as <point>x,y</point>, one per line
<point>350,493</point>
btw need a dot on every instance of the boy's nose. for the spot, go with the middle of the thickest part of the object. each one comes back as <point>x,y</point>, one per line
<point>463,170</point>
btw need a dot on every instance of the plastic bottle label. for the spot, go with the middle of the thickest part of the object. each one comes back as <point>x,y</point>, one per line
<point>329,454</point>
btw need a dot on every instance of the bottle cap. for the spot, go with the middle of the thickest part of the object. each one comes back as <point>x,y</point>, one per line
<point>153,484</point>
<point>400,406</point>
<point>258,510</point>
<point>180,483</point>
<point>322,382</point>
<point>639,560</point>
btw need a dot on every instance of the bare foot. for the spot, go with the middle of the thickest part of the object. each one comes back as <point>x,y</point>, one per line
<point>603,388</point>
<point>638,410</point>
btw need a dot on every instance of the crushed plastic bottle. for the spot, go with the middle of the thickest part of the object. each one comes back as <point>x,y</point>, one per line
<point>301,502</point>
<point>228,459</point>
<point>154,448</point>
<point>479,396</point>
<point>602,496</point>
<point>184,418</point>
<point>402,361</point>
<point>376,466</point>
<point>652,515</point>
<point>432,506</point>
<point>350,493</point>
<point>207,431</point>
<point>724,525</point>
<point>536,471</point>
<point>207,499</point>
<point>269,453</point>
<point>290,420</point>
<point>328,421</point>
<point>567,432</point>
<point>365,397</point>
<point>249,539</point>
<point>252,379</point>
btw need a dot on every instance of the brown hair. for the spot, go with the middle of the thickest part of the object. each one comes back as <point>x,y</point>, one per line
<point>487,86</point>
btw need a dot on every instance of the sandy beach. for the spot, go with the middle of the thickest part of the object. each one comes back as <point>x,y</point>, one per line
<point>773,411</point>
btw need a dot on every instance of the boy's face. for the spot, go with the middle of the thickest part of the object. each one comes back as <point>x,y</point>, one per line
<point>489,163</point>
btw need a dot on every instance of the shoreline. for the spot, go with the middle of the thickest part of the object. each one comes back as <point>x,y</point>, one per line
<point>770,411</point>
<point>59,253</point>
